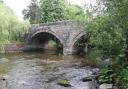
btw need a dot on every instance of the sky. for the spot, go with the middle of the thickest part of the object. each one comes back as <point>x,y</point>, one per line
<point>18,5</point>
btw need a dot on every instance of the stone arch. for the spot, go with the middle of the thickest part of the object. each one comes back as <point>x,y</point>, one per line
<point>46,31</point>
<point>79,43</point>
<point>41,37</point>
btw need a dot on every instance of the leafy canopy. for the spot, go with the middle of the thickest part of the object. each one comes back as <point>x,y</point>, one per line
<point>51,10</point>
<point>10,26</point>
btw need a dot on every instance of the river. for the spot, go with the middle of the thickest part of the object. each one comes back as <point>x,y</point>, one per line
<point>45,70</point>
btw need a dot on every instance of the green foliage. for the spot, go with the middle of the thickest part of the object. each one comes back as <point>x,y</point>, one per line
<point>106,37</point>
<point>32,12</point>
<point>74,12</point>
<point>106,76</point>
<point>124,78</point>
<point>1,1</point>
<point>93,54</point>
<point>108,33</point>
<point>52,10</point>
<point>10,26</point>
<point>45,11</point>
<point>59,47</point>
<point>118,11</point>
<point>2,50</point>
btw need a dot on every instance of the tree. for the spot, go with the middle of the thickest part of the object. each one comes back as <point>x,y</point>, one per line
<point>74,12</point>
<point>9,25</point>
<point>109,35</point>
<point>1,1</point>
<point>52,10</point>
<point>119,13</point>
<point>32,12</point>
<point>45,11</point>
<point>106,32</point>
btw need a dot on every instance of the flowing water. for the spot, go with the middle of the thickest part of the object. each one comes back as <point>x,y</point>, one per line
<point>44,71</point>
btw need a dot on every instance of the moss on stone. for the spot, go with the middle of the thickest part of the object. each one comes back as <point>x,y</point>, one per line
<point>65,83</point>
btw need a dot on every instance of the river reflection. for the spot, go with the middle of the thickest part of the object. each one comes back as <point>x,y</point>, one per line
<point>44,70</point>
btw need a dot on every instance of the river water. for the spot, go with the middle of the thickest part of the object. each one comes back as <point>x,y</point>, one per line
<point>45,70</point>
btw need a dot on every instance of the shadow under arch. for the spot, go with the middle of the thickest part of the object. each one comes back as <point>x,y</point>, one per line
<point>40,41</point>
<point>46,31</point>
<point>79,44</point>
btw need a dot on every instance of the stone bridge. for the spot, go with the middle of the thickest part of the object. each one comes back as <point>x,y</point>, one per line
<point>69,33</point>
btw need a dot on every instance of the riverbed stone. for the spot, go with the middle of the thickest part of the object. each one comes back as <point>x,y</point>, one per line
<point>4,60</point>
<point>86,79</point>
<point>106,86</point>
<point>95,71</point>
<point>115,87</point>
<point>65,83</point>
<point>3,82</point>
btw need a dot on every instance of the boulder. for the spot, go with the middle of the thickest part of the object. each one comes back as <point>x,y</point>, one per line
<point>106,86</point>
<point>86,79</point>
<point>65,83</point>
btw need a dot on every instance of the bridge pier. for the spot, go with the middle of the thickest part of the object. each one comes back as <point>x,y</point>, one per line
<point>67,49</point>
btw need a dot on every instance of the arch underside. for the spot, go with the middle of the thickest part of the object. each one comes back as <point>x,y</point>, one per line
<point>79,44</point>
<point>40,41</point>
<point>47,31</point>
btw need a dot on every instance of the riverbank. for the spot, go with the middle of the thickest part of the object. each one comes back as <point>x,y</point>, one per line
<point>11,48</point>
